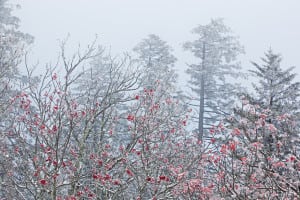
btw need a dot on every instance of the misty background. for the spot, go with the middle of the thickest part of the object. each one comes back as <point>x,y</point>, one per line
<point>120,25</point>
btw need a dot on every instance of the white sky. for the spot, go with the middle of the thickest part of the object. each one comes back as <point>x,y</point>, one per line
<point>121,24</point>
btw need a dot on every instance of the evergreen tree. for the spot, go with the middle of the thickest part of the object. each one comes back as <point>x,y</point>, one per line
<point>157,63</point>
<point>276,88</point>
<point>278,93</point>
<point>217,51</point>
<point>12,43</point>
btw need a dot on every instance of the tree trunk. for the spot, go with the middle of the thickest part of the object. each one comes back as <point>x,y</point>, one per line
<point>201,105</point>
<point>201,110</point>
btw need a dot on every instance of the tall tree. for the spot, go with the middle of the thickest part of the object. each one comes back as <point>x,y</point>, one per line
<point>12,43</point>
<point>157,62</point>
<point>278,92</point>
<point>217,50</point>
<point>276,89</point>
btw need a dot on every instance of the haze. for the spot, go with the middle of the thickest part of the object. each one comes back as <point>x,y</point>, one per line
<point>120,25</point>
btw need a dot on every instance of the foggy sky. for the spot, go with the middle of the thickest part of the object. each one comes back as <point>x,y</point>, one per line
<point>121,24</point>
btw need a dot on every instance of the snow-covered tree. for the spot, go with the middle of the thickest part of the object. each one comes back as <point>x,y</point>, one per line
<point>245,166</point>
<point>217,50</point>
<point>12,43</point>
<point>111,82</point>
<point>278,92</point>
<point>64,146</point>
<point>12,48</point>
<point>276,89</point>
<point>157,62</point>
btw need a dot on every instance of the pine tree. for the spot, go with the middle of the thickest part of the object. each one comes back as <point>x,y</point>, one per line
<point>12,43</point>
<point>276,89</point>
<point>157,63</point>
<point>279,93</point>
<point>217,50</point>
